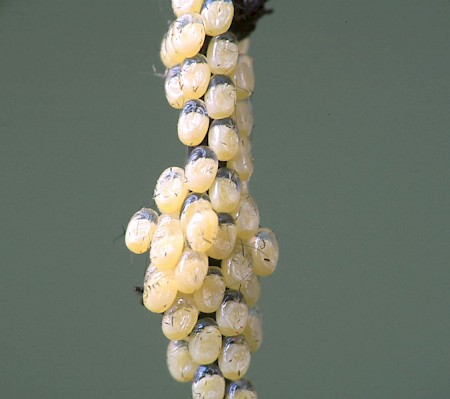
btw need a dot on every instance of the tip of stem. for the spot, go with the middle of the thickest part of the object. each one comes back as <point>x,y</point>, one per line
<point>246,15</point>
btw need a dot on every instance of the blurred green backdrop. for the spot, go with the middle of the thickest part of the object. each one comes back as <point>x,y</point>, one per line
<point>351,148</point>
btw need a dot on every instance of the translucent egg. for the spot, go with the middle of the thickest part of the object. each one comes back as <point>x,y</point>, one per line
<point>246,217</point>
<point>170,190</point>
<point>237,268</point>
<point>223,138</point>
<point>195,74</point>
<point>181,7</point>
<point>253,331</point>
<point>222,54</point>
<point>194,202</point>
<point>201,168</point>
<point>234,358</point>
<point>205,341</point>
<point>225,191</point>
<point>225,238</point>
<point>179,320</point>
<point>193,123</point>
<point>240,389</point>
<point>167,243</point>
<point>244,188</point>
<point>244,45</point>
<point>232,314</point>
<point>159,289</point>
<point>264,251</point>
<point>244,117</point>
<point>179,361</point>
<point>187,34</point>
<point>251,289</point>
<point>140,230</point>
<point>210,295</point>
<point>167,55</point>
<point>208,383</point>
<point>220,98</point>
<point>201,230</point>
<point>190,271</point>
<point>217,16</point>
<point>172,86</point>
<point>242,162</point>
<point>244,77</point>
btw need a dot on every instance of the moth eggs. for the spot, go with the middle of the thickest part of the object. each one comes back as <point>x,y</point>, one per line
<point>194,202</point>
<point>242,162</point>
<point>201,230</point>
<point>246,217</point>
<point>244,188</point>
<point>223,138</point>
<point>167,52</point>
<point>240,389</point>
<point>201,168</point>
<point>190,271</point>
<point>220,98</point>
<point>217,16</point>
<point>264,250</point>
<point>181,7</point>
<point>234,359</point>
<point>205,341</point>
<point>222,54</point>
<point>253,332</point>
<point>194,77</point>
<point>237,268</point>
<point>232,314</point>
<point>140,230</point>
<point>179,361</point>
<point>225,238</point>
<point>210,294</point>
<point>244,77</point>
<point>193,123</point>
<point>207,215</point>
<point>167,243</point>
<point>225,191</point>
<point>170,190</point>
<point>251,289</point>
<point>168,56</point>
<point>179,320</point>
<point>244,45</point>
<point>244,117</point>
<point>187,34</point>
<point>174,94</point>
<point>159,289</point>
<point>208,383</point>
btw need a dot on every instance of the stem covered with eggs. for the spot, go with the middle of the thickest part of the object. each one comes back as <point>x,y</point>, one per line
<point>206,248</point>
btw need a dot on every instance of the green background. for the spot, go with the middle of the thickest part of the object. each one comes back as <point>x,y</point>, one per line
<point>351,149</point>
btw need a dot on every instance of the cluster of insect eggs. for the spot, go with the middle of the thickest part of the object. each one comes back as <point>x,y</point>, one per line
<point>206,248</point>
